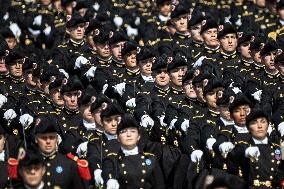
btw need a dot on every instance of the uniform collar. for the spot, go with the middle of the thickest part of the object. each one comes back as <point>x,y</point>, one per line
<point>16,79</point>
<point>39,187</point>
<point>271,74</point>
<point>176,91</point>
<point>212,50</point>
<point>118,63</point>
<point>110,137</point>
<point>104,60</point>
<point>147,78</point>
<point>181,35</point>
<point>69,111</point>
<point>229,56</point>
<point>213,113</point>
<point>264,141</point>
<point>76,44</point>
<point>164,18</point>
<point>160,90</point>
<point>49,156</point>
<point>133,73</point>
<point>247,62</point>
<point>2,156</point>
<point>241,129</point>
<point>89,126</point>
<point>132,152</point>
<point>226,122</point>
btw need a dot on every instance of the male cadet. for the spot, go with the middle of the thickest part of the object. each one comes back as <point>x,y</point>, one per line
<point>255,47</point>
<point>9,37</point>
<point>60,170</point>
<point>3,53</point>
<point>164,13</point>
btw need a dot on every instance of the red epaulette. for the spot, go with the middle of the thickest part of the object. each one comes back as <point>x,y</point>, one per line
<point>83,167</point>
<point>13,168</point>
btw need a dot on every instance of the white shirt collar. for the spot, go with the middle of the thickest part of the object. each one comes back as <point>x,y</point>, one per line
<point>147,78</point>
<point>226,122</point>
<point>2,156</point>
<point>126,152</point>
<point>281,22</point>
<point>110,137</point>
<point>264,141</point>
<point>39,187</point>
<point>89,126</point>
<point>164,18</point>
<point>241,129</point>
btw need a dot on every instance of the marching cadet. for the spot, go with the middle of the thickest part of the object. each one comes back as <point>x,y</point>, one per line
<point>60,170</point>
<point>131,167</point>
<point>9,37</point>
<point>255,47</point>
<point>164,13</point>
<point>3,53</point>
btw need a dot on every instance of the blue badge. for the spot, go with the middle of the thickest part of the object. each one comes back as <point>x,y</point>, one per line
<point>148,162</point>
<point>277,152</point>
<point>59,169</point>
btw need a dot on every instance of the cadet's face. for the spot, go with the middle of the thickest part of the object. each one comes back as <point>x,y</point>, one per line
<point>189,90</point>
<point>210,37</point>
<point>260,3</point>
<point>129,137</point>
<point>268,60</point>
<point>97,116</point>
<point>162,78</point>
<point>244,50</point>
<point>211,98</point>
<point>11,42</point>
<point>195,32</point>
<point>86,113</point>
<point>199,92</point>
<point>69,9</point>
<point>77,32</point>
<point>229,43</point>
<point>116,50</point>
<point>47,142</point>
<point>177,74</point>
<point>131,61</point>
<point>225,113</point>
<point>3,68</point>
<point>29,78</point>
<point>281,13</point>
<point>32,175</point>
<point>165,8</point>
<point>45,2</point>
<point>57,5</point>
<point>146,67</point>
<point>71,99</point>
<point>280,68</point>
<point>181,23</point>
<point>82,12</point>
<point>258,128</point>
<point>110,124</point>
<point>256,56</point>
<point>56,96</point>
<point>239,115</point>
<point>2,142</point>
<point>103,50</point>
<point>16,69</point>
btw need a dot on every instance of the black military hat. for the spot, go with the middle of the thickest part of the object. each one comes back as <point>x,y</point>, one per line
<point>165,48</point>
<point>254,114</point>
<point>208,24</point>
<point>127,121</point>
<point>88,96</point>
<point>258,42</point>
<point>146,53</point>
<point>224,97</point>
<point>200,76</point>
<point>162,2</point>
<point>75,20</point>
<point>245,34</point>
<point>102,35</point>
<point>240,99</point>
<point>82,4</point>
<point>100,102</point>
<point>279,58</point>
<point>269,47</point>
<point>280,4</point>
<point>111,109</point>
<point>30,156</point>
<point>129,46</point>
<point>210,84</point>
<point>178,61</point>
<point>178,11</point>
<point>46,124</point>
<point>29,64</point>
<point>57,83</point>
<point>49,73</point>
<point>64,3</point>
<point>13,56</point>
<point>93,24</point>
<point>2,131</point>
<point>196,18</point>
<point>7,33</point>
<point>188,77</point>
<point>4,49</point>
<point>225,29</point>
<point>161,63</point>
<point>73,84</point>
<point>118,36</point>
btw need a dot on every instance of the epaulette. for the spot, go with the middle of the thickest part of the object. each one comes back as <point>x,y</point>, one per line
<point>13,168</point>
<point>63,45</point>
<point>83,167</point>
<point>148,154</point>
<point>111,154</point>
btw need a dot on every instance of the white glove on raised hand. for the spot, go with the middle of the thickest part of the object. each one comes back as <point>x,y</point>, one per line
<point>210,142</point>
<point>82,149</point>
<point>120,88</point>
<point>118,21</point>
<point>10,114</point>
<point>47,31</point>
<point>131,103</point>
<point>185,124</point>
<point>59,139</point>
<point>146,120</point>
<point>3,100</point>
<point>172,124</point>
<point>37,20</point>
<point>15,29</point>
<point>252,152</point>
<point>257,95</point>
<point>281,128</point>
<point>80,61</point>
<point>161,119</point>
<point>98,177</point>
<point>96,6</point>
<point>26,120</point>
<point>91,73</point>
<point>112,184</point>
<point>34,32</point>
<point>236,90</point>
<point>226,147</point>
<point>196,155</point>
<point>199,62</point>
<point>64,73</point>
<point>131,31</point>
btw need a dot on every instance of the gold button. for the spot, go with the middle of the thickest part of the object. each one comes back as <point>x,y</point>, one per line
<point>48,164</point>
<point>272,169</point>
<point>48,173</point>
<point>272,154</point>
<point>124,172</point>
<point>122,165</point>
<point>257,176</point>
<point>48,183</point>
<point>106,150</point>
<point>126,181</point>
<point>142,157</point>
<point>143,171</point>
<point>143,164</point>
<point>271,177</point>
<point>273,161</point>
<point>142,180</point>
<point>256,167</point>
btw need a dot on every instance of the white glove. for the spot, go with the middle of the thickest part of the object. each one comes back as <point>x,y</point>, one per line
<point>15,29</point>
<point>210,142</point>
<point>82,149</point>
<point>146,120</point>
<point>137,21</point>
<point>198,62</point>
<point>96,6</point>
<point>80,61</point>
<point>162,123</point>
<point>118,21</point>
<point>252,152</point>
<point>112,184</point>
<point>131,103</point>
<point>98,177</point>
<point>6,16</point>
<point>281,128</point>
<point>59,139</point>
<point>239,22</point>
<point>172,124</point>
<point>34,32</point>
<point>226,147</point>
<point>257,95</point>
<point>64,73</point>
<point>104,88</point>
<point>37,20</point>
<point>26,120</point>
<point>120,88</point>
<point>196,156</point>
<point>3,100</point>
<point>131,31</point>
<point>10,114</point>
<point>270,129</point>
<point>185,124</point>
<point>91,73</point>
<point>47,31</point>
<point>236,90</point>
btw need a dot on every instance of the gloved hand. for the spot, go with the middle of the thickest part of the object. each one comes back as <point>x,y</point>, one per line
<point>47,31</point>
<point>15,29</point>
<point>257,95</point>
<point>162,123</point>
<point>26,120</point>
<point>91,73</point>
<point>185,124</point>
<point>172,124</point>
<point>199,62</point>
<point>252,152</point>
<point>131,31</point>
<point>119,88</point>
<point>98,177</point>
<point>281,128</point>
<point>118,21</point>
<point>10,114</point>
<point>80,61</point>
<point>226,147</point>
<point>37,20</point>
<point>196,156</point>
<point>34,32</point>
<point>104,88</point>
<point>82,149</point>
<point>137,21</point>
<point>131,103</point>
<point>146,120</point>
<point>3,100</point>
<point>59,139</point>
<point>112,184</point>
<point>64,73</point>
<point>210,142</point>
<point>236,90</point>
<point>96,6</point>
